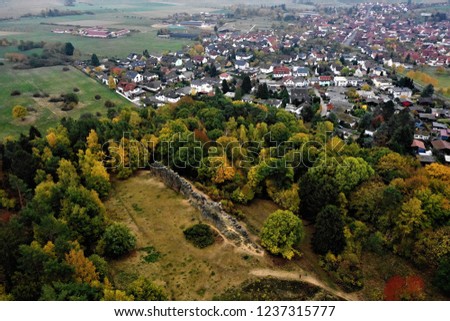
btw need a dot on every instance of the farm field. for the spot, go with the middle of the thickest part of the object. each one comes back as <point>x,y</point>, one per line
<point>138,16</point>
<point>53,81</point>
<point>119,47</point>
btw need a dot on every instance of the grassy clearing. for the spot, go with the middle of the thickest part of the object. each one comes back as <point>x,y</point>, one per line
<point>256,213</point>
<point>158,216</point>
<point>54,81</point>
<point>158,219</point>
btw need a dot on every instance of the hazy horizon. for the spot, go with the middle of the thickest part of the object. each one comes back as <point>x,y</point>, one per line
<point>10,8</point>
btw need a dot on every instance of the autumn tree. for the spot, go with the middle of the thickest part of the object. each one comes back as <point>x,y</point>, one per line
<point>144,290</point>
<point>84,269</point>
<point>410,222</point>
<point>404,288</point>
<point>112,83</point>
<point>19,112</point>
<point>282,233</point>
<point>329,233</point>
<point>432,247</point>
<point>94,174</point>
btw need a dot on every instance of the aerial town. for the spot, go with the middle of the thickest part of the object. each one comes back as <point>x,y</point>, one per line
<point>218,151</point>
<point>353,66</point>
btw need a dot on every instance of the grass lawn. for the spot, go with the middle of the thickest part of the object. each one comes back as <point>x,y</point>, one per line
<point>54,81</point>
<point>158,216</point>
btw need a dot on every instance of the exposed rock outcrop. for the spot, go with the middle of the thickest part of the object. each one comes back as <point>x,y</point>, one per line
<point>212,211</point>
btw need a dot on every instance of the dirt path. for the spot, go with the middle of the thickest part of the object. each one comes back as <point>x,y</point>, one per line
<point>304,277</point>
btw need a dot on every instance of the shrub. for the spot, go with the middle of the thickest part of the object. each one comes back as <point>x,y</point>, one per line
<point>98,97</point>
<point>55,99</point>
<point>404,288</point>
<point>37,95</point>
<point>200,235</point>
<point>68,107</point>
<point>19,112</point>
<point>109,104</point>
<point>65,69</point>
<point>71,98</point>
<point>76,90</point>
<point>144,290</point>
<point>118,240</point>
<point>152,255</point>
<point>16,93</point>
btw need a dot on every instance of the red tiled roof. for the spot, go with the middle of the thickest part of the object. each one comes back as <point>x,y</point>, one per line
<point>418,144</point>
<point>440,144</point>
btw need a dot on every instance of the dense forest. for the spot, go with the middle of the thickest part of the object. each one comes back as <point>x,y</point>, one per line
<point>56,240</point>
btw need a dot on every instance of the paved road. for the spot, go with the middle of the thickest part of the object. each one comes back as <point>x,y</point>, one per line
<point>351,36</point>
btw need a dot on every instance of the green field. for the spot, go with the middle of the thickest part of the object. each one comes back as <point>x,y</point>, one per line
<point>443,78</point>
<point>54,81</point>
<point>138,16</point>
<point>119,47</point>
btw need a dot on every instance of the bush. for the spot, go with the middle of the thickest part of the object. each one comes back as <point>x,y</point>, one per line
<point>71,98</point>
<point>109,104</point>
<point>55,99</point>
<point>68,107</point>
<point>15,93</point>
<point>98,97</point>
<point>144,290</point>
<point>65,69</point>
<point>200,235</point>
<point>37,95</point>
<point>118,240</point>
<point>76,90</point>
